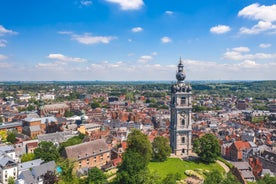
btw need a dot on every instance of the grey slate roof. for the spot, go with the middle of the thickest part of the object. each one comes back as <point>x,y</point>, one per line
<point>43,168</point>
<point>32,177</point>
<point>10,125</point>
<point>30,164</point>
<point>56,137</point>
<point>5,160</point>
<point>7,148</point>
<point>87,149</point>
<point>27,177</point>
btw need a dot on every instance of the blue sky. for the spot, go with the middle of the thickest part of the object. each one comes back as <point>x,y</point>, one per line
<point>137,39</point>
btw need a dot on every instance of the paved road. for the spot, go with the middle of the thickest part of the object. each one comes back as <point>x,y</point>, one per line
<point>225,167</point>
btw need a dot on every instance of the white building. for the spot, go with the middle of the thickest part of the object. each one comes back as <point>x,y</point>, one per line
<point>8,163</point>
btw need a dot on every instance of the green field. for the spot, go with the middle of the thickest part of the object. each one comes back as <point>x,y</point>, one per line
<point>174,165</point>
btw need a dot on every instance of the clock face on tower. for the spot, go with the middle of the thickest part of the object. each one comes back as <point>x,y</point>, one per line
<point>180,76</point>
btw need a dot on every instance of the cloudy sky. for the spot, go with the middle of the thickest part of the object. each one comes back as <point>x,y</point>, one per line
<point>137,39</point>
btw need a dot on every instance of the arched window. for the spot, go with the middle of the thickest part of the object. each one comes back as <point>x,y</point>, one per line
<point>183,122</point>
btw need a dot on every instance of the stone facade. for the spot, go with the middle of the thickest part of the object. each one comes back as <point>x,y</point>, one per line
<point>181,123</point>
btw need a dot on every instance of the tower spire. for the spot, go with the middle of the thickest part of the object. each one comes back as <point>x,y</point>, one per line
<point>180,76</point>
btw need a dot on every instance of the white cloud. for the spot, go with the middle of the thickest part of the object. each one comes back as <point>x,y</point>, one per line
<point>145,59</point>
<point>233,55</point>
<point>85,3</point>
<point>65,32</point>
<point>129,71</point>
<point>258,12</point>
<point>48,65</point>
<point>169,12</point>
<point>136,29</point>
<point>88,39</point>
<point>220,29</point>
<point>241,49</point>
<point>4,31</point>
<point>265,45</point>
<point>129,40</point>
<point>265,15</point>
<point>249,64</point>
<point>256,29</point>
<point>3,43</point>
<point>165,39</point>
<point>2,57</point>
<point>61,57</point>
<point>128,4</point>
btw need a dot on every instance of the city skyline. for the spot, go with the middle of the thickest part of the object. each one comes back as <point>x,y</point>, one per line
<point>122,40</point>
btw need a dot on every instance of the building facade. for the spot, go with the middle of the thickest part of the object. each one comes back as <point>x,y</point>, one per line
<point>181,109</point>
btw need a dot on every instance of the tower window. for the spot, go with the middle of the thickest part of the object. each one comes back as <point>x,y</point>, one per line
<point>183,100</point>
<point>183,150</point>
<point>183,122</point>
<point>183,139</point>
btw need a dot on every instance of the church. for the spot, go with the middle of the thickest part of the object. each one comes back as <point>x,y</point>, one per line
<point>181,109</point>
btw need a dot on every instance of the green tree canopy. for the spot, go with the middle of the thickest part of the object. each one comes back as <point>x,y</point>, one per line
<point>160,148</point>
<point>47,151</point>
<point>133,169</point>
<point>96,176</point>
<point>267,180</point>
<point>139,143</point>
<point>214,177</point>
<point>27,157</point>
<point>207,147</point>
<point>11,137</point>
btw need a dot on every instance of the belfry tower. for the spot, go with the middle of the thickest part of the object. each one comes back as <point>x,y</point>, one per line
<point>181,107</point>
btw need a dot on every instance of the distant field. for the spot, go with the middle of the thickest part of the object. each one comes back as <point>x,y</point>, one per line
<point>174,165</point>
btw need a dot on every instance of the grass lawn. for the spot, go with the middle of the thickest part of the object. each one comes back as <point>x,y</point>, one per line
<point>174,165</point>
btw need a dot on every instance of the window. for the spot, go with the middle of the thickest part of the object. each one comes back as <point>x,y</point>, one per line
<point>183,122</point>
<point>183,139</point>
<point>183,100</point>
<point>183,150</point>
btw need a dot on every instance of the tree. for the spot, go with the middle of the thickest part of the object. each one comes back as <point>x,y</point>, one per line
<point>267,180</point>
<point>11,180</point>
<point>133,169</point>
<point>68,113</point>
<point>67,167</point>
<point>47,151</point>
<point>230,179</point>
<point>27,157</point>
<point>207,148</point>
<point>214,177</point>
<point>70,142</point>
<point>1,119</point>
<point>11,137</point>
<point>50,178</point>
<point>139,143</point>
<point>96,176</point>
<point>160,148</point>
<point>171,178</point>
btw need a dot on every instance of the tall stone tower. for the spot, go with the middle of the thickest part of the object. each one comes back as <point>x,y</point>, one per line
<point>181,107</point>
